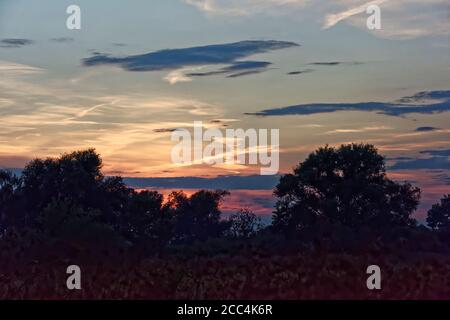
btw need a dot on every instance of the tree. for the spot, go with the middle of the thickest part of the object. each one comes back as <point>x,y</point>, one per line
<point>244,224</point>
<point>439,215</point>
<point>66,222</point>
<point>197,218</point>
<point>145,222</point>
<point>60,198</point>
<point>9,184</point>
<point>74,178</point>
<point>66,198</point>
<point>347,185</point>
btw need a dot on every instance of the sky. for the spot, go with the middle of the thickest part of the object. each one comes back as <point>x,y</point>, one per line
<point>138,70</point>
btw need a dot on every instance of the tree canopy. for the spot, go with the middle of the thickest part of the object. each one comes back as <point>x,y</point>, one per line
<point>439,215</point>
<point>334,191</point>
<point>68,198</point>
<point>346,185</point>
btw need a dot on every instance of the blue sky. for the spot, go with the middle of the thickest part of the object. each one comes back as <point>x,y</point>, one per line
<point>123,81</point>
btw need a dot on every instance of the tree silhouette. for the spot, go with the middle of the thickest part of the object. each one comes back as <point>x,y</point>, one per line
<point>347,185</point>
<point>9,203</point>
<point>74,178</point>
<point>244,224</point>
<point>65,221</point>
<point>197,217</point>
<point>439,215</point>
<point>145,222</point>
<point>334,190</point>
<point>68,198</point>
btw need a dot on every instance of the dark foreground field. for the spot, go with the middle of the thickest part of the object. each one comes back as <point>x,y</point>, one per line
<point>333,276</point>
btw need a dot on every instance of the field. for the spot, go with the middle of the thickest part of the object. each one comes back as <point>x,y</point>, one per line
<point>292,277</point>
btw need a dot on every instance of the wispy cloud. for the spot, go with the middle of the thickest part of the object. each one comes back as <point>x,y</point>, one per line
<point>180,60</point>
<point>426,129</point>
<point>237,69</point>
<point>253,182</point>
<point>14,43</point>
<point>244,7</point>
<point>40,121</point>
<point>171,59</point>
<point>299,72</point>
<point>437,101</point>
<point>177,76</point>
<point>16,69</point>
<point>433,163</point>
<point>164,130</point>
<point>401,19</point>
<point>443,177</point>
<point>438,159</point>
<point>336,63</point>
<point>62,40</point>
<point>359,130</point>
<point>334,18</point>
<point>437,153</point>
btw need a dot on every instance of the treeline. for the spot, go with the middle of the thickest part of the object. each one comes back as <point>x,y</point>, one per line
<point>337,199</point>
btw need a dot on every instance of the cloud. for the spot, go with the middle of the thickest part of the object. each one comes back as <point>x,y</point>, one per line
<point>17,69</point>
<point>437,153</point>
<point>244,7</point>
<point>48,122</point>
<point>14,43</point>
<point>438,159</point>
<point>165,130</point>
<point>334,18</point>
<point>254,182</point>
<point>179,59</point>
<point>424,97</point>
<point>426,129</point>
<point>432,163</point>
<point>177,76</point>
<point>401,19</point>
<point>399,159</point>
<point>261,202</point>
<point>407,19</point>
<point>359,130</point>
<point>246,73</point>
<point>237,69</point>
<point>336,63</point>
<point>298,72</point>
<point>62,40</point>
<point>428,102</point>
<point>443,177</point>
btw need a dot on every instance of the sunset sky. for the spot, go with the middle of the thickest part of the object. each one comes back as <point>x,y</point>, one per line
<point>138,70</point>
